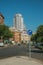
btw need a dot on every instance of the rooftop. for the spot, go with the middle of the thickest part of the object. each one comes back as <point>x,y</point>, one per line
<point>1,15</point>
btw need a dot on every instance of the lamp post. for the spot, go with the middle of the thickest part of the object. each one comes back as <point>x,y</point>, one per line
<point>29,32</point>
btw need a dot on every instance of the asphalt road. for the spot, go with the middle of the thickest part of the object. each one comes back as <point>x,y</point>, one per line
<point>20,51</point>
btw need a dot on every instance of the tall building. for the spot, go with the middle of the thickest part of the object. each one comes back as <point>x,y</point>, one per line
<point>18,22</point>
<point>1,19</point>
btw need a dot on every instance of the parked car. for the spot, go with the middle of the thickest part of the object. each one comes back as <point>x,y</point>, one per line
<point>39,46</point>
<point>1,44</point>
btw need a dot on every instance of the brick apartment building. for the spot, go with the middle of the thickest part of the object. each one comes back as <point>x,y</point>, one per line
<point>1,19</point>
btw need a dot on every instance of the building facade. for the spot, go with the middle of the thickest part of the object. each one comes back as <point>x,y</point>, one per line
<point>17,36</point>
<point>1,19</point>
<point>19,29</point>
<point>25,37</point>
<point>18,22</point>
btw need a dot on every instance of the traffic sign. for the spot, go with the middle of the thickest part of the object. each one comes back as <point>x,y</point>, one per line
<point>29,32</point>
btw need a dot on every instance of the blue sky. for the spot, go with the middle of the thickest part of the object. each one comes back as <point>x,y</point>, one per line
<point>32,11</point>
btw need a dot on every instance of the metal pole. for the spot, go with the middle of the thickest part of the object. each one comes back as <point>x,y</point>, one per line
<point>29,49</point>
<point>29,33</point>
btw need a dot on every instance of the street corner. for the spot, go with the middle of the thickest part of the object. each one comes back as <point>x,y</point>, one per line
<point>19,61</point>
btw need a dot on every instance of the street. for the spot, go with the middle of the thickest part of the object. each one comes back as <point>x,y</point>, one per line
<point>20,51</point>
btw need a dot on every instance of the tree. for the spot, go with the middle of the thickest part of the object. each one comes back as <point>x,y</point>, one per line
<point>34,38</point>
<point>8,34</point>
<point>38,37</point>
<point>39,33</point>
<point>40,30</point>
<point>5,32</point>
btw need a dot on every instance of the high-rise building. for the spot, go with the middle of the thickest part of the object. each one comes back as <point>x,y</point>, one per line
<point>18,22</point>
<point>1,19</point>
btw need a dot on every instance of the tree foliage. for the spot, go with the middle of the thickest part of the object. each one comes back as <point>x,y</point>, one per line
<point>5,32</point>
<point>40,33</point>
<point>38,37</point>
<point>40,30</point>
<point>34,38</point>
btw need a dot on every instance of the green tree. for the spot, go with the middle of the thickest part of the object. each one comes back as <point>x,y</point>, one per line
<point>5,32</point>
<point>39,33</point>
<point>40,30</point>
<point>38,37</point>
<point>34,38</point>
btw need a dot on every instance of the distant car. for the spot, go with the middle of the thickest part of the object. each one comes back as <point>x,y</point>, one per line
<point>6,41</point>
<point>39,46</point>
<point>1,44</point>
<point>36,46</point>
<point>18,44</point>
<point>13,42</point>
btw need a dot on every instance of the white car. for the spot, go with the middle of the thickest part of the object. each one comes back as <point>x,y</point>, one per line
<point>13,42</point>
<point>1,44</point>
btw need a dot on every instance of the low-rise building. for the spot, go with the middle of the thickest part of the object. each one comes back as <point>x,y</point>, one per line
<point>25,37</point>
<point>20,36</point>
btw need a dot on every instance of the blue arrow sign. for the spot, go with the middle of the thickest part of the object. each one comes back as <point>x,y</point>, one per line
<point>29,32</point>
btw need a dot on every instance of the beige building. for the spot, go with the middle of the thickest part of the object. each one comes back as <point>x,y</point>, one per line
<point>20,36</point>
<point>12,29</point>
<point>1,19</point>
<point>25,37</point>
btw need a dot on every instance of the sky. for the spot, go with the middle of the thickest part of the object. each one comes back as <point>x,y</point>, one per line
<point>31,10</point>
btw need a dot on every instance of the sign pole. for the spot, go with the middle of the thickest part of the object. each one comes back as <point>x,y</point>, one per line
<point>29,49</point>
<point>29,33</point>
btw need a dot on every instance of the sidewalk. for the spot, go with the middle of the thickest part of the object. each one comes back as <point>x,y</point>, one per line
<point>19,60</point>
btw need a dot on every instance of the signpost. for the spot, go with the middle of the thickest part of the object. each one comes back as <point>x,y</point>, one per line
<point>29,33</point>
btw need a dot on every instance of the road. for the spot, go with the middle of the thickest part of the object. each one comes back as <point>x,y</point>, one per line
<point>20,51</point>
